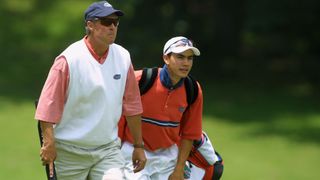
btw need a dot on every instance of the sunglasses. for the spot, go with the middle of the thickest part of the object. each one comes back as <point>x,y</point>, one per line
<point>181,42</point>
<point>108,21</point>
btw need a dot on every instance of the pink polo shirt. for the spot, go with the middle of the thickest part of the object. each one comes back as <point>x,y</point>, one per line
<point>53,95</point>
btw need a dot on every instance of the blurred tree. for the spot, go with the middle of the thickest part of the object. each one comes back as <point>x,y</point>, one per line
<point>265,41</point>
<point>34,34</point>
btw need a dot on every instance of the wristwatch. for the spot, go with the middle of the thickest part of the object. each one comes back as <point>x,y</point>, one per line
<point>138,145</point>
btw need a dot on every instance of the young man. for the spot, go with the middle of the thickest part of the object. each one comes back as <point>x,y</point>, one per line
<point>203,162</point>
<point>169,123</point>
<point>89,86</point>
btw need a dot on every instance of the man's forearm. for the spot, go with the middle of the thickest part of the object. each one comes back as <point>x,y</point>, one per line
<point>48,151</point>
<point>184,151</point>
<point>47,133</point>
<point>134,124</point>
<point>138,156</point>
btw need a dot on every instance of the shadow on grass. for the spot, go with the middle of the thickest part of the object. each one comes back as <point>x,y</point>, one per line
<point>290,112</point>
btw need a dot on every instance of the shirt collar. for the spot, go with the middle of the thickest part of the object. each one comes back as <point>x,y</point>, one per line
<point>166,81</point>
<point>95,55</point>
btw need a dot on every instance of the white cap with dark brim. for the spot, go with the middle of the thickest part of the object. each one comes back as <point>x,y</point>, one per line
<point>187,44</point>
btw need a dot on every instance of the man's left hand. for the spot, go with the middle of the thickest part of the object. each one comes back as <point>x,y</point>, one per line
<point>138,159</point>
<point>176,176</point>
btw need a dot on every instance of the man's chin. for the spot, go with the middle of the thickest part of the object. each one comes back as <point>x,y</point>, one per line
<point>184,74</point>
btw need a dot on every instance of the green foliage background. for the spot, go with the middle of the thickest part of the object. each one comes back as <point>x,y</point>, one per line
<point>258,67</point>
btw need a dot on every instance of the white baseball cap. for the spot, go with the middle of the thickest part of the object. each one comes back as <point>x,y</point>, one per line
<point>179,44</point>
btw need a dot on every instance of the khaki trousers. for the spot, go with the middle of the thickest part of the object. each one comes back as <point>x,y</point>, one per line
<point>75,163</point>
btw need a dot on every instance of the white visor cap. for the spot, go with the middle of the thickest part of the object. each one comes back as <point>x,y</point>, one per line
<point>178,45</point>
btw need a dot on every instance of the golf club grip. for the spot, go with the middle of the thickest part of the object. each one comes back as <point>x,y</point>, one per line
<point>54,177</point>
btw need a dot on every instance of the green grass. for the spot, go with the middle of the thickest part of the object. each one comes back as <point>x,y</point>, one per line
<point>262,135</point>
<point>261,157</point>
<point>19,142</point>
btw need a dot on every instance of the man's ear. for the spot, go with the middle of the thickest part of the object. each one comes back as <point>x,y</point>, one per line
<point>89,25</point>
<point>166,59</point>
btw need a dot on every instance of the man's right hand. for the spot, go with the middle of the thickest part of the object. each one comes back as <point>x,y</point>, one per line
<point>48,152</point>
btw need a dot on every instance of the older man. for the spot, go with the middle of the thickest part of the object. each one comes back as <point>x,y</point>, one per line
<point>89,86</point>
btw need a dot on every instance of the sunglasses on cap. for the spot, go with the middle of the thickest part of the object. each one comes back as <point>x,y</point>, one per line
<point>179,43</point>
<point>108,21</point>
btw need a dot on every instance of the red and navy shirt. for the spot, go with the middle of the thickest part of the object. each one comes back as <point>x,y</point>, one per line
<point>166,118</point>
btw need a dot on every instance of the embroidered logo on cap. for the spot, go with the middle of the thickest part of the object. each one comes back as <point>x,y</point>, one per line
<point>107,5</point>
<point>117,76</point>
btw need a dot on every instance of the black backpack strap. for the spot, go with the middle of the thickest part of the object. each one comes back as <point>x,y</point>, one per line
<point>147,79</point>
<point>191,89</point>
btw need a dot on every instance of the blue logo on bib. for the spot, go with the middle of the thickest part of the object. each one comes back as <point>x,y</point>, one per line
<point>182,109</point>
<point>117,76</point>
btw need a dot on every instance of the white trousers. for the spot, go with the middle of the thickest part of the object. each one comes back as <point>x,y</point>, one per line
<point>194,172</point>
<point>160,164</point>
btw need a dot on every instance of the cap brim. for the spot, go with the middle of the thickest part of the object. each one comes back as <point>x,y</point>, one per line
<point>119,13</point>
<point>107,13</point>
<point>181,49</point>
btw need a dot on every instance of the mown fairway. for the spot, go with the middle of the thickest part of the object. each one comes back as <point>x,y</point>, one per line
<point>262,135</point>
